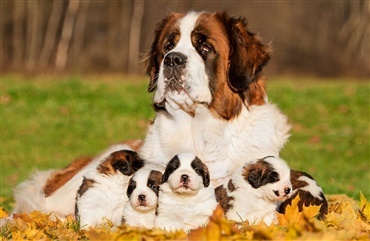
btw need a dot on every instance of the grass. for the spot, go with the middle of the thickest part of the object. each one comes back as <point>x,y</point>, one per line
<point>47,121</point>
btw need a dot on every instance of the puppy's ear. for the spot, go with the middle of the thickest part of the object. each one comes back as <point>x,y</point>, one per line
<point>202,170</point>
<point>155,55</point>
<point>206,177</point>
<point>122,165</point>
<point>254,177</point>
<point>247,54</point>
<point>131,187</point>
<point>172,165</point>
<point>135,160</point>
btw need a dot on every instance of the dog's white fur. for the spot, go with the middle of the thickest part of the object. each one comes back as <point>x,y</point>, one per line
<point>184,209</point>
<point>188,125</point>
<point>29,195</point>
<point>258,204</point>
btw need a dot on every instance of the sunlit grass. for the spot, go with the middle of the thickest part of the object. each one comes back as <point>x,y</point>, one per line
<point>48,121</point>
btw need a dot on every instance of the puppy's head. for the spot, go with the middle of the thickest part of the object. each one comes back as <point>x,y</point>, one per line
<point>271,176</point>
<point>124,161</point>
<point>186,174</point>
<point>143,189</point>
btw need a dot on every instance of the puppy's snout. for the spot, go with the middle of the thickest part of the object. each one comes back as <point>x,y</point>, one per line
<point>287,190</point>
<point>142,197</point>
<point>184,178</point>
<point>174,59</point>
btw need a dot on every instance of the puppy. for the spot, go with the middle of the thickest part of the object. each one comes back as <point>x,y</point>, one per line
<point>253,192</point>
<point>309,191</point>
<point>142,193</point>
<point>186,198</point>
<point>54,191</point>
<point>101,196</point>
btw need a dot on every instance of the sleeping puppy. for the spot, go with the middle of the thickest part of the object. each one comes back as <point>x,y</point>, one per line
<point>102,195</point>
<point>253,192</point>
<point>309,191</point>
<point>142,193</point>
<point>186,198</point>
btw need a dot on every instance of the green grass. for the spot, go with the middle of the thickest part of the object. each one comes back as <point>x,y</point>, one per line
<point>47,121</point>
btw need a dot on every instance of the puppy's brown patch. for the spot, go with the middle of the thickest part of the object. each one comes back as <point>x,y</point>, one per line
<point>86,184</point>
<point>154,180</point>
<point>61,177</point>
<point>125,161</point>
<point>222,198</point>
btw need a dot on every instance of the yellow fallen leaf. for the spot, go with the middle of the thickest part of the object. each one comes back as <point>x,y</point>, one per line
<point>364,208</point>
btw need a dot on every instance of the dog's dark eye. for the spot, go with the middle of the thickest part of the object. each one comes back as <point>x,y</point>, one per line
<point>206,48</point>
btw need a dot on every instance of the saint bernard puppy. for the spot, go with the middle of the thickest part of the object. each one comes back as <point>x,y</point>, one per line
<point>209,94</point>
<point>254,191</point>
<point>102,195</point>
<point>186,197</point>
<point>54,191</point>
<point>142,192</point>
<point>309,191</point>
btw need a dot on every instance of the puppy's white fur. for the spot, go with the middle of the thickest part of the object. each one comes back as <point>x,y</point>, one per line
<point>184,208</point>
<point>135,213</point>
<point>258,204</point>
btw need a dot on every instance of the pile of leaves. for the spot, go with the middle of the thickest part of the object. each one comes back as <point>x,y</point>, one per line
<point>346,220</point>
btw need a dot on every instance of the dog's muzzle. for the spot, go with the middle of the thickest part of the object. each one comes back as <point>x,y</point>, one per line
<point>174,67</point>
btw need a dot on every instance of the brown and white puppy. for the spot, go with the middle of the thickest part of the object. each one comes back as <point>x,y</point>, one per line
<point>142,192</point>
<point>54,191</point>
<point>253,192</point>
<point>186,197</point>
<point>102,195</point>
<point>209,94</point>
<point>309,191</point>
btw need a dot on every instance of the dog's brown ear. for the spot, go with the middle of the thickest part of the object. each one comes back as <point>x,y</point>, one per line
<point>247,55</point>
<point>155,55</point>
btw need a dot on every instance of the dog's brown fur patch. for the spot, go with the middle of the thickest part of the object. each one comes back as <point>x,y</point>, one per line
<point>61,177</point>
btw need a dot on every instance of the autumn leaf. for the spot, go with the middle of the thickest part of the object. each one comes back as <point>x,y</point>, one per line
<point>293,216</point>
<point>364,208</point>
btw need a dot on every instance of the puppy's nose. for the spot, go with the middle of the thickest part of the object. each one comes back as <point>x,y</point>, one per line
<point>142,197</point>
<point>184,178</point>
<point>174,59</point>
<point>287,190</point>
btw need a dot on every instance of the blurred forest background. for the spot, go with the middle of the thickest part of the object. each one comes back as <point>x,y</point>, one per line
<point>316,38</point>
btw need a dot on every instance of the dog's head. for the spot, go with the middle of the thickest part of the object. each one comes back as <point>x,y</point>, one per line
<point>124,161</point>
<point>143,189</point>
<point>209,59</point>
<point>271,176</point>
<point>186,174</point>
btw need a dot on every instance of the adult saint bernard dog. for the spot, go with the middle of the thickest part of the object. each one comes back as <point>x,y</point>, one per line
<point>210,99</point>
<point>209,94</point>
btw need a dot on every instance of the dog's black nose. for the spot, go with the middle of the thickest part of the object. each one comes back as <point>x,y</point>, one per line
<point>184,178</point>
<point>142,197</point>
<point>174,59</point>
<point>287,190</point>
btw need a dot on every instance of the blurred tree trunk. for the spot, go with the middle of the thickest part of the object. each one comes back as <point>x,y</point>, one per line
<point>33,34</point>
<point>18,34</point>
<point>51,33</point>
<point>126,9</point>
<point>134,38</point>
<point>65,40</point>
<point>79,33</point>
<point>355,31</point>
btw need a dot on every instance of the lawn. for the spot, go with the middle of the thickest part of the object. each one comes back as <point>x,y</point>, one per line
<point>47,121</point>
